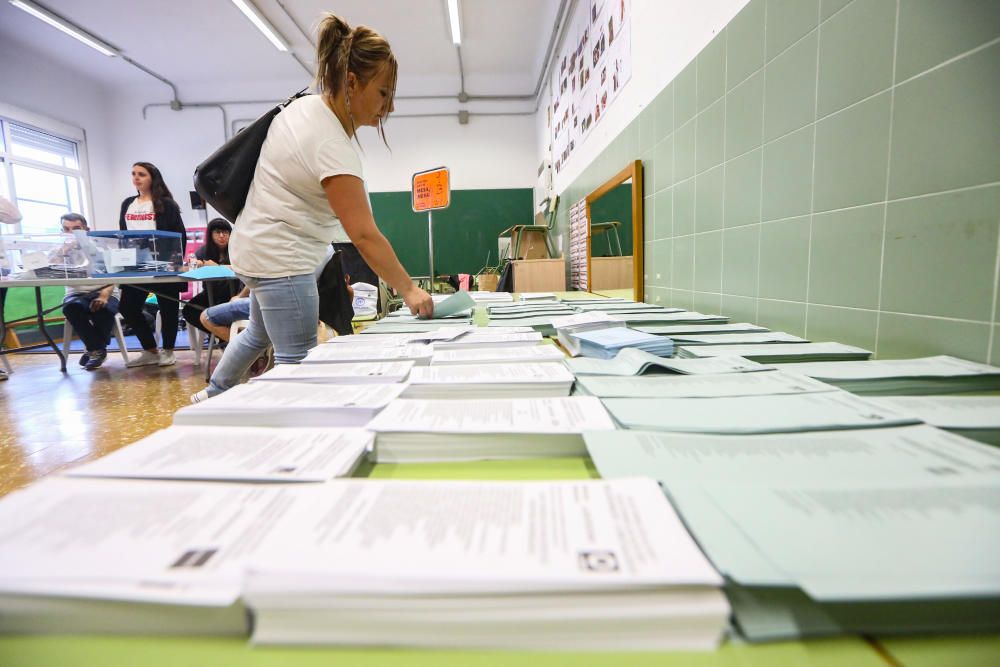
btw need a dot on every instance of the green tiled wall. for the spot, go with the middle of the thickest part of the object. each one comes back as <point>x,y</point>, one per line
<point>830,168</point>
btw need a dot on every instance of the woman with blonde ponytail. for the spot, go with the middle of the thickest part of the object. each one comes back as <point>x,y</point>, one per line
<point>308,191</point>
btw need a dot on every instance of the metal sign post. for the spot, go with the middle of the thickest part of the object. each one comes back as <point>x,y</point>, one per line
<point>430,246</point>
<point>431,190</point>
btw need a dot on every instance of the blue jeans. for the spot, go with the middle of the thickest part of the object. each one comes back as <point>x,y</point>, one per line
<point>224,314</point>
<point>283,314</point>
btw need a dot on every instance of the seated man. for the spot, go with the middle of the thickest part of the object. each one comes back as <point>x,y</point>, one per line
<point>218,319</point>
<point>90,309</point>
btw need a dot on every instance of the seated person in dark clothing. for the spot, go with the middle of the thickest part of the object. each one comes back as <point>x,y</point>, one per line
<point>215,252</point>
<point>90,309</point>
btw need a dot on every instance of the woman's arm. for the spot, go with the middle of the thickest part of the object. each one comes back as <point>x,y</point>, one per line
<point>348,200</point>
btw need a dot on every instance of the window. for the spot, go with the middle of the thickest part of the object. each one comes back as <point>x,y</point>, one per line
<point>40,172</point>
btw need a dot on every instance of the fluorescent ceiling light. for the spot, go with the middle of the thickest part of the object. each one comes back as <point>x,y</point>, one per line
<point>456,28</point>
<point>251,12</point>
<point>65,26</point>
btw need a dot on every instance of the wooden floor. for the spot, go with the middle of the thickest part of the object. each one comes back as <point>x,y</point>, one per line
<point>50,420</point>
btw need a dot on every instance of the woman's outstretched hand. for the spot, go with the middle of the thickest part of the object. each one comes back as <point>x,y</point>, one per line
<point>419,302</point>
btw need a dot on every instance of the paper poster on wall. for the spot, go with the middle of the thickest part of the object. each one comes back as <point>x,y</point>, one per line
<point>592,67</point>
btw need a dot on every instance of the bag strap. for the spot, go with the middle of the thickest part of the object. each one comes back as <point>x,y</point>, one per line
<point>301,93</point>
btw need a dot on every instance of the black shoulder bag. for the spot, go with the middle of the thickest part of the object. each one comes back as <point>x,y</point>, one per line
<point>223,179</point>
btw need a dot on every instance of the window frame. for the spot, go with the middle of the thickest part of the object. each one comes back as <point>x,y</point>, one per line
<point>78,136</point>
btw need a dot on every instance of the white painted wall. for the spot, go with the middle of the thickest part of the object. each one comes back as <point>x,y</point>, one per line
<point>666,36</point>
<point>32,84</point>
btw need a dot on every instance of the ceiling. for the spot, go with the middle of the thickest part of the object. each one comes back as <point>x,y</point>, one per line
<point>201,43</point>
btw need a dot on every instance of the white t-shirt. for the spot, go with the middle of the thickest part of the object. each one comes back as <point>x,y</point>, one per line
<point>140,216</point>
<point>287,224</point>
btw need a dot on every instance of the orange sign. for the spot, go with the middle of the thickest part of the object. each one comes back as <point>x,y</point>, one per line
<point>431,189</point>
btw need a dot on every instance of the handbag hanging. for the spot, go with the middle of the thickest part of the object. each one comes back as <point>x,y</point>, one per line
<point>223,179</point>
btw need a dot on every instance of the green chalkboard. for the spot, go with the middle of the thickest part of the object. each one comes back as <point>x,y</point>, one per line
<point>615,205</point>
<point>464,233</point>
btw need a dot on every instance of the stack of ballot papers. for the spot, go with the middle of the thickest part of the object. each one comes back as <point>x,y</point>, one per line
<point>523,310</point>
<point>698,328</point>
<point>746,338</point>
<point>419,353</point>
<point>534,297</point>
<point>622,307</point>
<point>975,417</point>
<point>870,531</point>
<point>815,411</point>
<point>489,381</point>
<point>236,453</point>
<point>632,361</point>
<point>698,386</point>
<point>928,375</point>
<point>132,556</point>
<point>411,324</point>
<point>468,430</point>
<point>491,297</point>
<point>568,325</point>
<point>667,317</point>
<point>487,338</point>
<point>499,355</point>
<point>346,373</point>
<point>777,353</point>
<point>578,566</point>
<point>607,343</point>
<point>290,404</point>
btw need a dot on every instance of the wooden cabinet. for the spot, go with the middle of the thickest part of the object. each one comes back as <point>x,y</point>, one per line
<point>540,275</point>
<point>610,272</point>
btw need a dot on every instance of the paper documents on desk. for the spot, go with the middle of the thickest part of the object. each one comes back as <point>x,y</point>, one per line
<point>458,304</point>
<point>767,591</point>
<point>928,375</point>
<point>699,386</point>
<point>489,381</point>
<point>976,417</point>
<point>346,373</point>
<point>468,430</point>
<point>668,317</point>
<point>581,566</point>
<point>608,342</point>
<point>498,355</point>
<point>778,352</point>
<point>487,338</point>
<point>875,540</point>
<point>234,453</point>
<point>670,329</point>
<point>631,361</point>
<point>744,338</point>
<point>131,556</point>
<point>906,452</point>
<point>290,404</point>
<point>754,414</point>
<point>339,354</point>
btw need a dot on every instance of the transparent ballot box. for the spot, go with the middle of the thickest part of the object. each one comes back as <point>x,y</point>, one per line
<point>133,253</point>
<point>42,256</point>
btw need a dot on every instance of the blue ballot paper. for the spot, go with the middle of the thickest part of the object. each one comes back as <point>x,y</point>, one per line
<point>454,305</point>
<point>206,272</point>
<point>606,343</point>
